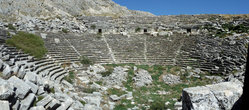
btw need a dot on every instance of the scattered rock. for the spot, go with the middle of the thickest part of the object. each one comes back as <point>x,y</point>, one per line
<point>26,103</point>
<point>6,90</point>
<point>22,88</point>
<point>7,72</point>
<point>171,79</point>
<point>142,78</point>
<point>115,98</point>
<point>37,108</point>
<point>118,76</point>
<point>4,105</point>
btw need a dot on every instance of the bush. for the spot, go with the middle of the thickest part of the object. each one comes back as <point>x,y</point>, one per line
<point>85,60</point>
<point>137,29</point>
<point>70,77</point>
<point>52,90</point>
<point>29,43</point>
<point>11,27</point>
<point>89,90</point>
<point>65,30</point>
<point>93,26</point>
<point>107,73</point>
<point>158,105</point>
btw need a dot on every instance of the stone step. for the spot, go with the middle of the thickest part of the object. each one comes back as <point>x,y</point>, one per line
<point>43,64</point>
<point>52,73</point>
<point>44,68</point>
<point>57,75</point>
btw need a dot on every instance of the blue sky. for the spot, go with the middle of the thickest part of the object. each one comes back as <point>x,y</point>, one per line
<point>176,7</point>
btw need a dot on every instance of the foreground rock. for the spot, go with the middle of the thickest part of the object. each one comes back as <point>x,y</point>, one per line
<point>142,78</point>
<point>4,105</point>
<point>6,90</point>
<point>220,96</point>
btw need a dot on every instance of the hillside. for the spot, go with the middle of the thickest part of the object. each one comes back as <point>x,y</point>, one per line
<point>49,8</point>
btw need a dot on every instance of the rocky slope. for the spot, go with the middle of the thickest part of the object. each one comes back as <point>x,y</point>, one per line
<point>53,8</point>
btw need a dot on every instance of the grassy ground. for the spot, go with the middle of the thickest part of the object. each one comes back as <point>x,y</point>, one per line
<point>148,95</point>
<point>28,43</point>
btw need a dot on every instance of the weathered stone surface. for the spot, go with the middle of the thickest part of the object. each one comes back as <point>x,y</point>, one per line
<point>40,90</point>
<point>31,76</point>
<point>44,101</point>
<point>26,103</point>
<point>217,96</point>
<point>115,98</point>
<point>171,79</point>
<point>7,72</point>
<point>118,76</point>
<point>34,88</point>
<point>37,108</point>
<point>199,98</point>
<point>65,105</point>
<point>142,78</point>
<point>93,100</point>
<point>16,106</point>
<point>22,88</point>
<point>6,89</point>
<point>4,105</point>
<point>1,63</point>
<point>227,93</point>
<point>21,72</point>
<point>91,107</point>
<point>53,104</point>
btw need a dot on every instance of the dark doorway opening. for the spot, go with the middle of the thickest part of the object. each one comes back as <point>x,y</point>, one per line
<point>188,30</point>
<point>100,31</point>
<point>145,30</point>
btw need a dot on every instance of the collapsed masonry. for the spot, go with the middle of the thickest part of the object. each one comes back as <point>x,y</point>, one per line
<point>28,83</point>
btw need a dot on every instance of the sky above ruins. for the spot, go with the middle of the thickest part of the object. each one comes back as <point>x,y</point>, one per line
<point>176,7</point>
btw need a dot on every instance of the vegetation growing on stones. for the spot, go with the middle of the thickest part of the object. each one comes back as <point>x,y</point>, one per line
<point>28,43</point>
<point>11,27</point>
<point>137,29</point>
<point>114,91</point>
<point>93,26</point>
<point>65,30</point>
<point>39,98</point>
<point>89,90</point>
<point>150,95</point>
<point>227,29</point>
<point>70,78</point>
<point>85,60</point>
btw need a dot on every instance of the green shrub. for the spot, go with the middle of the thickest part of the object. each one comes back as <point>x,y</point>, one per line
<point>11,27</point>
<point>93,26</point>
<point>29,43</point>
<point>82,102</point>
<point>137,29</point>
<point>89,90</point>
<point>107,73</point>
<point>99,82</point>
<point>52,90</point>
<point>85,60</point>
<point>65,30</point>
